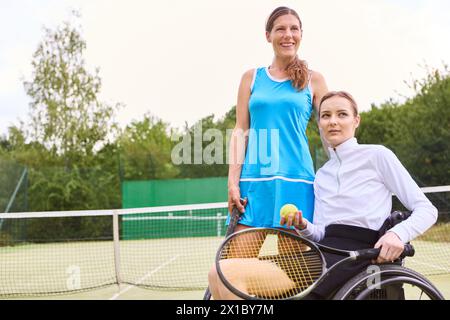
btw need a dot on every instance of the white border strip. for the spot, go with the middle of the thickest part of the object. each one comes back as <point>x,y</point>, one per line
<point>279,178</point>
<point>55,214</point>
<point>188,207</point>
<point>253,80</point>
<point>175,218</point>
<point>435,189</point>
<point>109,212</point>
<point>271,77</point>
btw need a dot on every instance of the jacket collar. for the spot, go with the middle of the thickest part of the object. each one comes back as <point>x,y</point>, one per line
<point>343,147</point>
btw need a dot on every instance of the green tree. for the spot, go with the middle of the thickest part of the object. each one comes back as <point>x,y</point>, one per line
<point>66,115</point>
<point>423,133</point>
<point>145,150</point>
<point>69,129</point>
<point>418,130</point>
<point>5,145</point>
<point>209,142</point>
<point>378,124</point>
<point>316,149</point>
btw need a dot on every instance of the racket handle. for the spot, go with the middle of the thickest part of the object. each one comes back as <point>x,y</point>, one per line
<point>409,251</point>
<point>235,216</point>
<point>373,253</point>
<point>367,254</point>
<point>234,219</point>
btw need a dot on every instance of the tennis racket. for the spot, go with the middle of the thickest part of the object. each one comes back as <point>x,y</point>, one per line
<point>234,219</point>
<point>275,264</point>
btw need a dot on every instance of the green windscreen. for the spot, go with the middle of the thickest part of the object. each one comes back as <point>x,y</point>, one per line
<point>156,193</point>
<point>153,193</point>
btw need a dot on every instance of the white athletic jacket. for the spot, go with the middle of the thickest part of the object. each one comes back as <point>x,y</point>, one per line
<point>355,188</point>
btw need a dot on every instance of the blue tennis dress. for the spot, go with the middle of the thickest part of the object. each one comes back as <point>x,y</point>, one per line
<point>278,167</point>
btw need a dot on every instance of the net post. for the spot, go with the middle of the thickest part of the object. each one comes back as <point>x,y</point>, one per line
<point>219,224</point>
<point>116,238</point>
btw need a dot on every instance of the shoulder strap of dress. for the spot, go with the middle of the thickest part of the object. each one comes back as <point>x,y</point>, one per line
<point>309,83</point>
<point>255,71</point>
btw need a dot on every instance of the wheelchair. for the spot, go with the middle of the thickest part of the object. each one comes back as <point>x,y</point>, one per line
<point>388,281</point>
<point>391,281</point>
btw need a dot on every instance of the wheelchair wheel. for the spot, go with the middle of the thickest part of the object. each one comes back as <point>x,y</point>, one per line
<point>388,282</point>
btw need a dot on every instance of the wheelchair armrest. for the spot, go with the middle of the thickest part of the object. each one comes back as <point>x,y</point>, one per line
<point>398,216</point>
<point>394,218</point>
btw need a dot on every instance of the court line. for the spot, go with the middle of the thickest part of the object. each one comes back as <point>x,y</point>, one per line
<point>114,297</point>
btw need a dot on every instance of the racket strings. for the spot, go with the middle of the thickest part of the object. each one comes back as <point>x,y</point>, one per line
<point>301,263</point>
<point>269,265</point>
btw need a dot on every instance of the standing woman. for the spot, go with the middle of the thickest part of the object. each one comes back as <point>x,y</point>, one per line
<point>270,162</point>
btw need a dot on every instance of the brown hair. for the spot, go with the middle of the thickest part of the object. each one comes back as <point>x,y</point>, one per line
<point>342,94</point>
<point>297,70</point>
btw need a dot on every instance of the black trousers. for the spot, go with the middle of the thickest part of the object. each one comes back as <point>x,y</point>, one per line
<point>346,238</point>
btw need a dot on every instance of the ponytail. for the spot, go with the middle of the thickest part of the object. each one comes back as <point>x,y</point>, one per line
<point>298,72</point>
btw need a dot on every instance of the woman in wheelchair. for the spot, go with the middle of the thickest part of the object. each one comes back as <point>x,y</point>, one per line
<point>353,199</point>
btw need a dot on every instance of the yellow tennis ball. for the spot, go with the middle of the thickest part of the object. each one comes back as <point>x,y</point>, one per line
<point>287,209</point>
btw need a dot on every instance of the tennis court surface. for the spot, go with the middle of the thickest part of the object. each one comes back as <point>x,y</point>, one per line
<point>147,253</point>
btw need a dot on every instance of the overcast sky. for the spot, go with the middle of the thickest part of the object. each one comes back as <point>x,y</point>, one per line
<point>183,60</point>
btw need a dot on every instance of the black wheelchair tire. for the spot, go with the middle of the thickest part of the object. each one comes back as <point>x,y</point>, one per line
<point>386,271</point>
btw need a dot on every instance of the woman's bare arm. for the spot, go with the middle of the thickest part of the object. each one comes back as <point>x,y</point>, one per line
<point>238,141</point>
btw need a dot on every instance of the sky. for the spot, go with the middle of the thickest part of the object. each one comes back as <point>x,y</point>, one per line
<point>183,60</point>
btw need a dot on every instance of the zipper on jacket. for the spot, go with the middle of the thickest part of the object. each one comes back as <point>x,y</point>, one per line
<point>337,173</point>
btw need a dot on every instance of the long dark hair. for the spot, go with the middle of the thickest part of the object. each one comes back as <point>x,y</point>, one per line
<point>297,70</point>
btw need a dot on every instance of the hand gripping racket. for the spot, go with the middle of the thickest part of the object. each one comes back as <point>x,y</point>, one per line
<point>275,264</point>
<point>234,219</point>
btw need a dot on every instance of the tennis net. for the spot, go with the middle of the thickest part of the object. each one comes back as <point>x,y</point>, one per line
<point>160,247</point>
<point>433,247</point>
<point>59,252</point>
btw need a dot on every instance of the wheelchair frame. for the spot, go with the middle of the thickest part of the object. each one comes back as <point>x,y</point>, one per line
<point>390,287</point>
<point>392,277</point>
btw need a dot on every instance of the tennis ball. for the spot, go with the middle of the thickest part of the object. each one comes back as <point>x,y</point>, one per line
<point>287,209</point>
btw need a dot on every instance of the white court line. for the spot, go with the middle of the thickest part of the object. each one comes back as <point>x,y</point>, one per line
<point>114,297</point>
